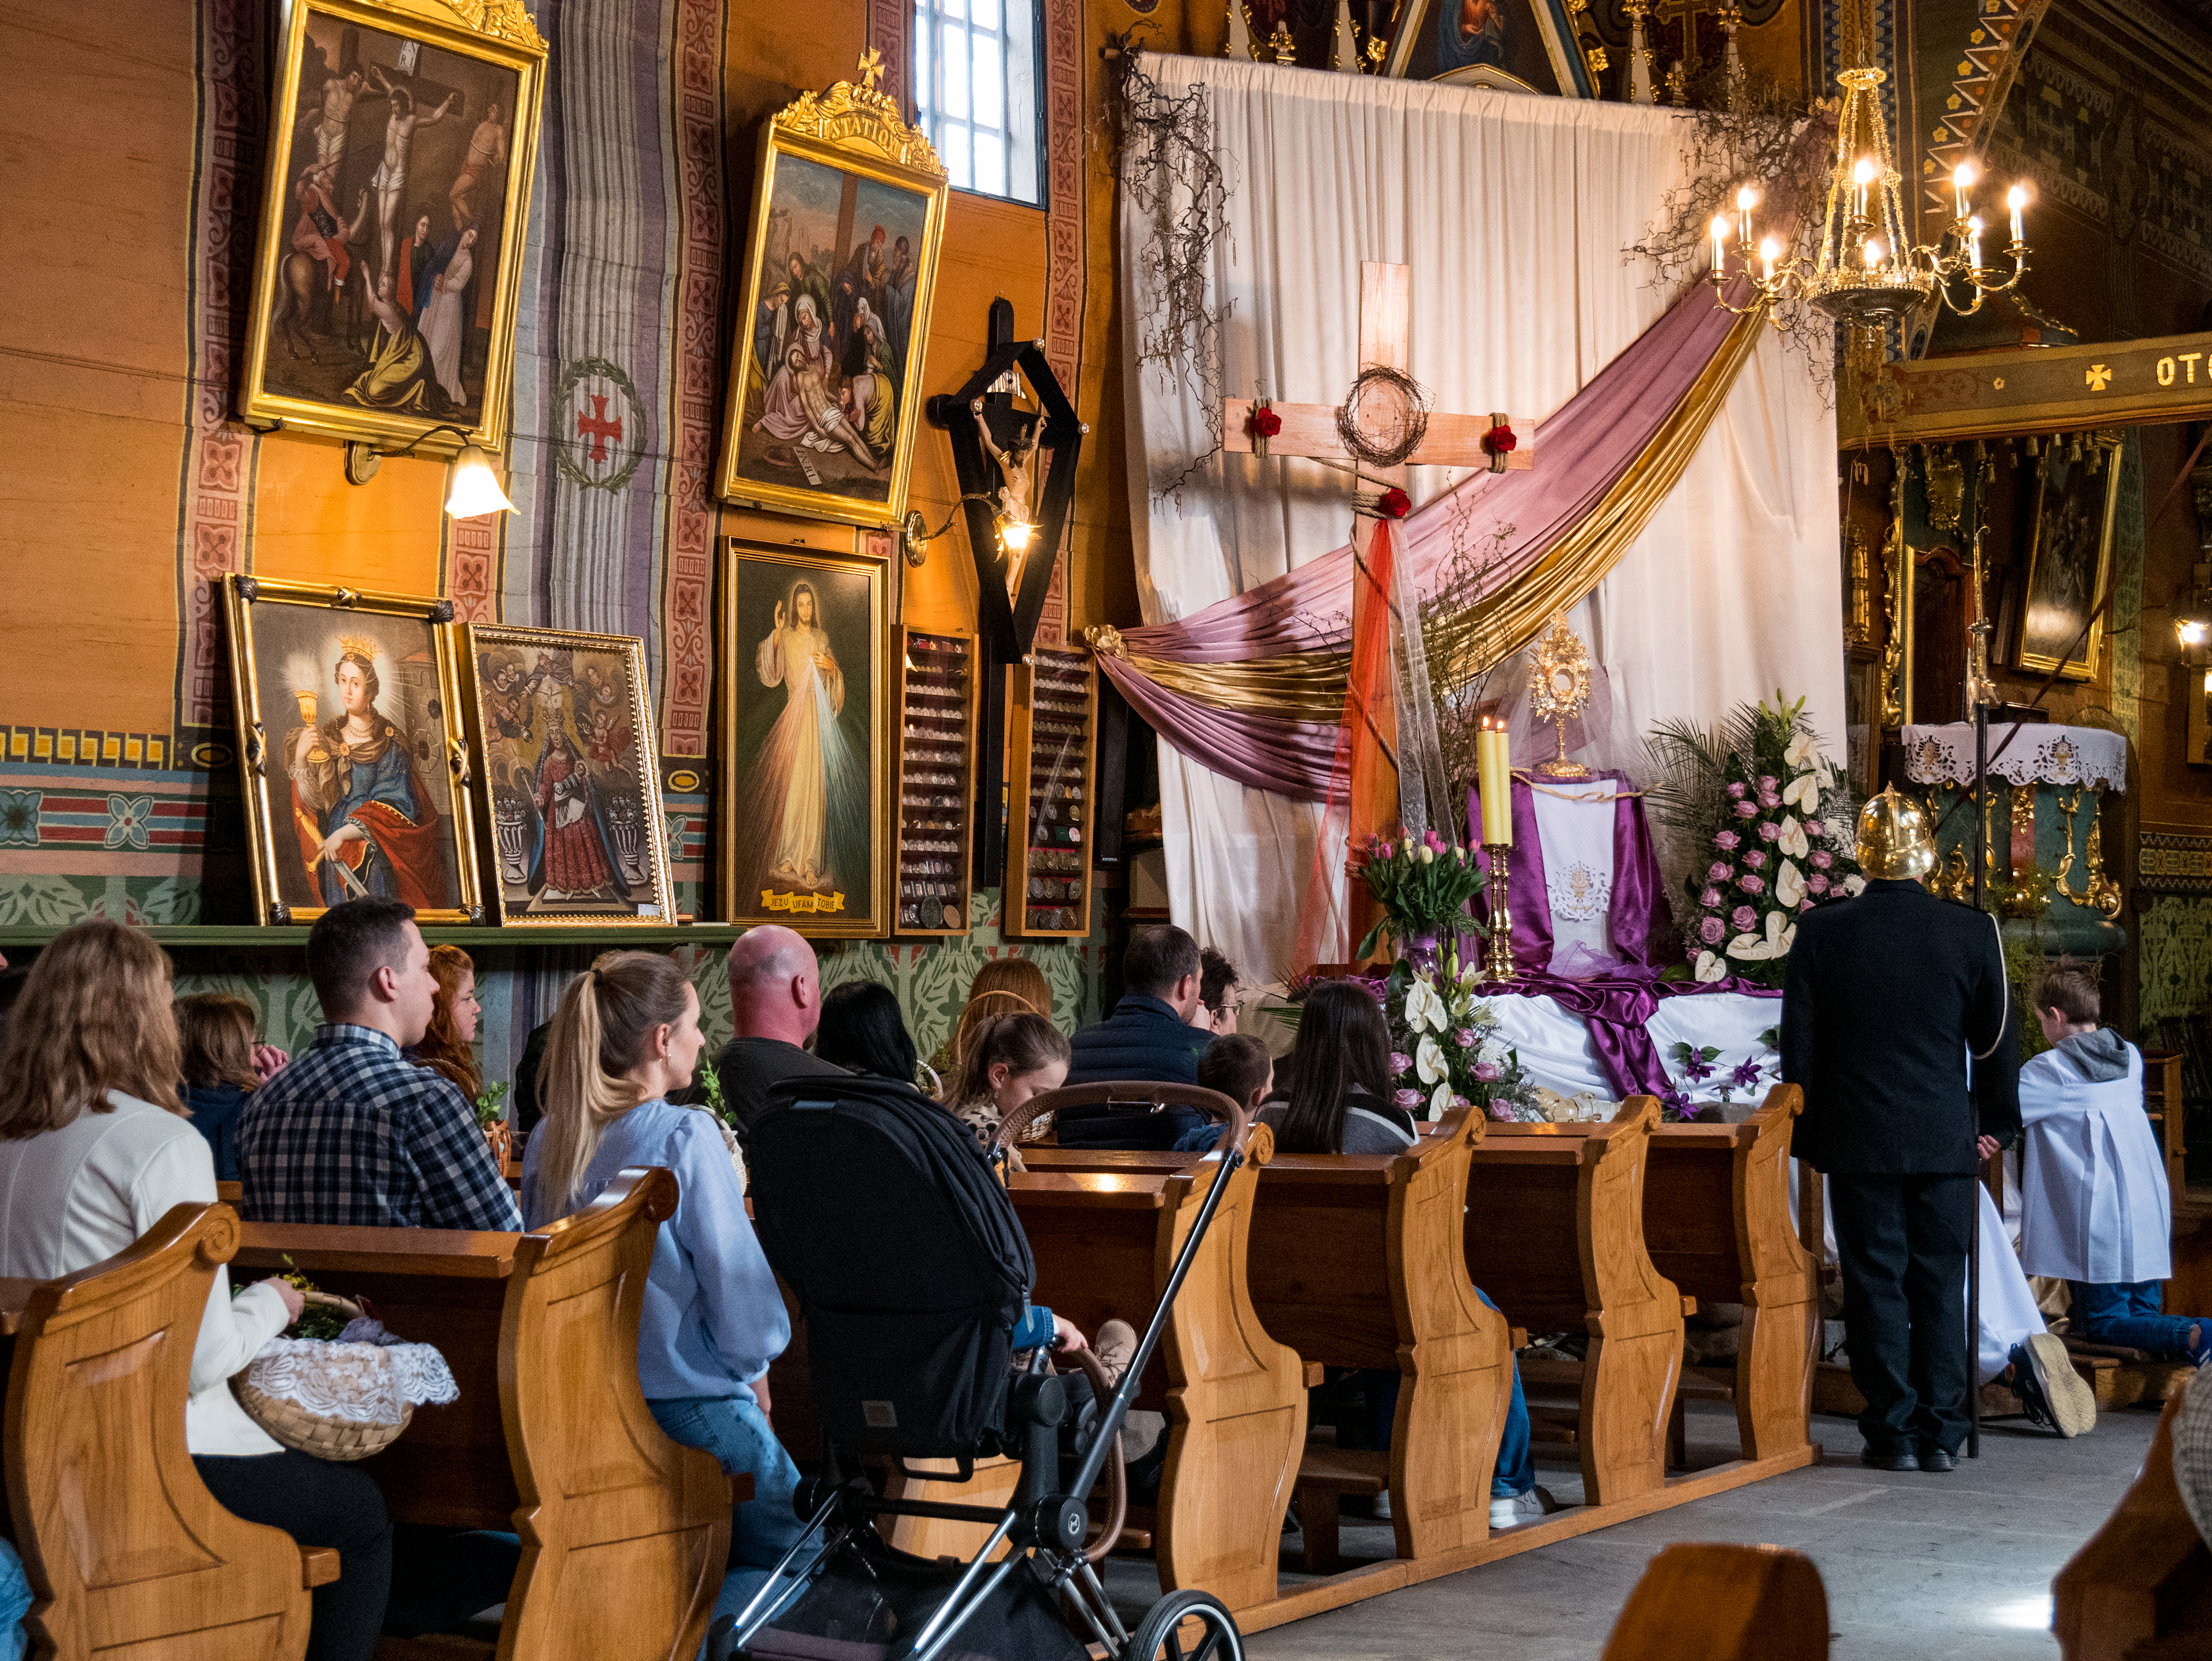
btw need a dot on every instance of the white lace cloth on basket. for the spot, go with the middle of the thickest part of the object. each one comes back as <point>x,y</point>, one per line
<point>362,1383</point>
<point>2048,755</point>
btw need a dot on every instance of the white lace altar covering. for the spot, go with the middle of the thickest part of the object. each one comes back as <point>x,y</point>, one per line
<point>366,1383</point>
<point>1574,826</point>
<point>2047,755</point>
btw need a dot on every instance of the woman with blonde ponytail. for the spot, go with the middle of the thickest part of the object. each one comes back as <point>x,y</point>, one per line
<point>626,1036</point>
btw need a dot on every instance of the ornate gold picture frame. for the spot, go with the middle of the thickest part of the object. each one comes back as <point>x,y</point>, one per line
<point>826,369</point>
<point>356,774</point>
<point>808,829</point>
<point>389,259</point>
<point>2070,557</point>
<point>568,775</point>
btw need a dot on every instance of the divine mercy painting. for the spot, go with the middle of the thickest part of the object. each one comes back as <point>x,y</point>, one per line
<point>826,366</point>
<point>570,773</point>
<point>347,723</point>
<point>396,196</point>
<point>803,679</point>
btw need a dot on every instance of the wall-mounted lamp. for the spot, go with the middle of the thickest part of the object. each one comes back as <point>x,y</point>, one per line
<point>915,535</point>
<point>2192,614</point>
<point>476,488</point>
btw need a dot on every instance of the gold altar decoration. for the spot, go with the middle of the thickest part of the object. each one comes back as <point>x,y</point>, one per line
<point>1558,691</point>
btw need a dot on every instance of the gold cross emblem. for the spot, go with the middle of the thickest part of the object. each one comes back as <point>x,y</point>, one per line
<point>871,68</point>
<point>2098,376</point>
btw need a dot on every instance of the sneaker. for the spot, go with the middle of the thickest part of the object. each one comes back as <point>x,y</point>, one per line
<point>1115,1347</point>
<point>2050,1390</point>
<point>1522,1508</point>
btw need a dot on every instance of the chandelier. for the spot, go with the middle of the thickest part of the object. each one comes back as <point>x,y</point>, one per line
<point>1865,269</point>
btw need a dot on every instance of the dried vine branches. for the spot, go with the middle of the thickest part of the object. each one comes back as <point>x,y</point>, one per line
<point>1173,176</point>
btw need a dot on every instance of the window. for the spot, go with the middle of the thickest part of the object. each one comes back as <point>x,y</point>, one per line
<point>974,83</point>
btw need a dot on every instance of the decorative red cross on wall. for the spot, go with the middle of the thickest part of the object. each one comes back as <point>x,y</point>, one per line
<point>598,427</point>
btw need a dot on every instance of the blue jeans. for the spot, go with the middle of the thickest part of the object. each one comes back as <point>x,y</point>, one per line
<point>2125,1313</point>
<point>736,1432</point>
<point>1515,1473</point>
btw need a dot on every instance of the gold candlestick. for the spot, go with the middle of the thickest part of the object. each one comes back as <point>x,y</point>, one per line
<point>1498,959</point>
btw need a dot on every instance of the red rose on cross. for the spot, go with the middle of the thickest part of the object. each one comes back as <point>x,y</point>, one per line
<point>1265,423</point>
<point>1500,441</point>
<point>1394,503</point>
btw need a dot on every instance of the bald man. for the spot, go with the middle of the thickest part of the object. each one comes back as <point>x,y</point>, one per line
<point>775,1002</point>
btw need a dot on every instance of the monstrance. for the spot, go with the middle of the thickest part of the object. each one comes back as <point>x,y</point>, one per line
<point>1558,691</point>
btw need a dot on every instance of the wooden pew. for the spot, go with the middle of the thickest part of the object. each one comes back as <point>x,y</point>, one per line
<point>1235,1398</point>
<point>2141,1585</point>
<point>625,1533</point>
<point>126,1550</point>
<point>1356,1261</point>
<point>1716,1602</point>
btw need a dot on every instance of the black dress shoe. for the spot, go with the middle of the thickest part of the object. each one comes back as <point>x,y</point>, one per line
<point>1903,1459</point>
<point>1934,1458</point>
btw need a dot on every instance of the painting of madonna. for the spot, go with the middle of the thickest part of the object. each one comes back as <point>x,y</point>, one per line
<point>366,823</point>
<point>803,690</point>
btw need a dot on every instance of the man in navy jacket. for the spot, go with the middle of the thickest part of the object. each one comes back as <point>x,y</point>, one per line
<point>1148,1036</point>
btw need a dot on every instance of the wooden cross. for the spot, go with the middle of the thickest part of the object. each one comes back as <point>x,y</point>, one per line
<point>1309,429</point>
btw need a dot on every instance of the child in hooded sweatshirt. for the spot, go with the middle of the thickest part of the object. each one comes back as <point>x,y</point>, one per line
<point>2097,1210</point>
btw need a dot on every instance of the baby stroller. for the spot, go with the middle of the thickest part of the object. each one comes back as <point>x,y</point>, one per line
<point>911,1271</point>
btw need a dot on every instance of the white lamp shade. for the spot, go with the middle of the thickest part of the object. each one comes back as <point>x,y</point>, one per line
<point>476,488</point>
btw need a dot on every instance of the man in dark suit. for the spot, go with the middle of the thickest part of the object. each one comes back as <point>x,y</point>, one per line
<point>1148,1036</point>
<point>1889,994</point>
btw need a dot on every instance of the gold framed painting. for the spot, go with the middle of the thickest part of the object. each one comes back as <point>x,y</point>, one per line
<point>568,777</point>
<point>807,827</point>
<point>2069,557</point>
<point>350,751</point>
<point>826,369</point>
<point>388,264</point>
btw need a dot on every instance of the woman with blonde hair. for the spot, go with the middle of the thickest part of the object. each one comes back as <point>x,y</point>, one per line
<point>625,1036</point>
<point>448,1047</point>
<point>94,1148</point>
<point>1003,986</point>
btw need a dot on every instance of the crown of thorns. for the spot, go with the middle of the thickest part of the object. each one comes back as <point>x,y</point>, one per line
<point>1384,417</point>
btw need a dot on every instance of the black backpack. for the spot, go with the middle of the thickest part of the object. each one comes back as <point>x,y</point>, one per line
<point>909,1265</point>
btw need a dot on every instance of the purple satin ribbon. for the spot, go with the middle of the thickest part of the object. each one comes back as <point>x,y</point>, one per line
<point>1614,1010</point>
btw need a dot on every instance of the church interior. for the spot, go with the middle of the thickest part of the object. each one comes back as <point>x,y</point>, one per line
<point>1449,554</point>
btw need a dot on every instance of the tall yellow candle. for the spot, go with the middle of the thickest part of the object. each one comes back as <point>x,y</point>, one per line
<point>1494,774</point>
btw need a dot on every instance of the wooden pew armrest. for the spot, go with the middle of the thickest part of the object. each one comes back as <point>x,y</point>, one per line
<point>741,1487</point>
<point>1520,1337</point>
<point>318,1566</point>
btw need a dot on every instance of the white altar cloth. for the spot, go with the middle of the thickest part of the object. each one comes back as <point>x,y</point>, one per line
<point>1556,1052</point>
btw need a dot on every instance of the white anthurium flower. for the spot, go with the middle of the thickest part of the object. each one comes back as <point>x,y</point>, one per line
<point>1794,842</point>
<point>1425,1010</point>
<point>1429,1063</point>
<point>1803,751</point>
<point>1854,883</point>
<point>1712,967</point>
<point>1803,793</point>
<point>1761,948</point>
<point>1788,884</point>
<point>1440,1101</point>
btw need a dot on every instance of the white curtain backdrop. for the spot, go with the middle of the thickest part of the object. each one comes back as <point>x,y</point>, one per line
<point>1512,211</point>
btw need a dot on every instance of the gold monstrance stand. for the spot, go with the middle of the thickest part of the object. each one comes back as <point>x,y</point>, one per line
<point>1559,688</point>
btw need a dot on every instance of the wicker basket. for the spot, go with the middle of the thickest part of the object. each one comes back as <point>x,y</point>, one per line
<point>339,1439</point>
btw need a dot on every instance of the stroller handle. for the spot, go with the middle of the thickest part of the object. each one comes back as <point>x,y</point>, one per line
<point>1134,1092</point>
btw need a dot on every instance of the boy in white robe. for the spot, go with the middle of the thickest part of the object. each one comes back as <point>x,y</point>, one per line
<point>2097,1210</point>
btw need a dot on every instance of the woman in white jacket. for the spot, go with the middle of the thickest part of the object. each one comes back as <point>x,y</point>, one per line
<point>95,1148</point>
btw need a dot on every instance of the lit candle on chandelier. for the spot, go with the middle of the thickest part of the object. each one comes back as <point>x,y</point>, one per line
<point>1974,241</point>
<point>1494,776</point>
<point>1720,236</point>
<point>1746,198</point>
<point>1769,252</point>
<point>1873,253</point>
<point>1962,181</point>
<point>2016,199</point>
<point>1862,176</point>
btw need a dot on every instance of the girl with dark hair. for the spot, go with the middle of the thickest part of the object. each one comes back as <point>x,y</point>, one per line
<point>1340,1100</point>
<point>863,1030</point>
<point>625,1036</point>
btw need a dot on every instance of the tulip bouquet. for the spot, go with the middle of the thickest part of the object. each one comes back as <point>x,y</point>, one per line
<point>1770,823</point>
<point>1423,888</point>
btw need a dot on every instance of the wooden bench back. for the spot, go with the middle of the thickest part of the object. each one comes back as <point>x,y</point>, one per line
<point>1151,1092</point>
<point>126,1550</point>
<point>2143,1577</point>
<point>1716,1602</point>
<point>625,1534</point>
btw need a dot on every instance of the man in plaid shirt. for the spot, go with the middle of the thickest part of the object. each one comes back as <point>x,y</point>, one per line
<point>352,1132</point>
